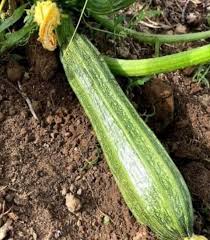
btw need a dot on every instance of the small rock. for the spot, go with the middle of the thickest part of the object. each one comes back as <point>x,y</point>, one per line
<point>57,234</point>
<point>11,111</point>
<point>63,191</point>
<point>33,233</point>
<point>180,28</point>
<point>26,75</point>
<point>24,114</point>
<point>106,219</point>
<point>50,119</point>
<point>188,71</point>
<point>9,197</point>
<point>72,188</point>
<point>13,216</point>
<point>191,18</point>
<point>15,71</point>
<point>34,236</point>
<point>78,177</point>
<point>170,32</point>
<point>23,131</point>
<point>79,223</point>
<point>41,173</point>
<point>123,51</point>
<point>65,151</point>
<point>58,119</point>
<point>141,234</point>
<point>73,203</point>
<point>79,191</point>
<point>21,199</point>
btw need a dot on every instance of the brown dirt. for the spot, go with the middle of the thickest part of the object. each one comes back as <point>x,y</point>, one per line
<point>41,162</point>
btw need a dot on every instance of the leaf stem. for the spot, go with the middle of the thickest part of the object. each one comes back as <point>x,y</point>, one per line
<point>147,37</point>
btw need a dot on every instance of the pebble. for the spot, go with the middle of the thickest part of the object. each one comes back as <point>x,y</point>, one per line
<point>73,203</point>
<point>50,119</point>
<point>142,234</point>
<point>58,119</point>
<point>20,200</point>
<point>180,28</point>
<point>11,112</point>
<point>57,234</point>
<point>13,216</point>
<point>79,191</point>
<point>15,71</point>
<point>63,191</point>
<point>79,223</point>
<point>78,178</point>
<point>72,188</point>
<point>24,114</point>
<point>192,18</point>
<point>9,197</point>
<point>123,51</point>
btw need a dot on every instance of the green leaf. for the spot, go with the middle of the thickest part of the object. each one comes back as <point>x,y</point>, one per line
<point>18,13</point>
<point>19,37</point>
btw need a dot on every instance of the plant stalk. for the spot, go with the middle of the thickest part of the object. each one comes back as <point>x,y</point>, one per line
<point>147,37</point>
<point>2,5</point>
<point>150,66</point>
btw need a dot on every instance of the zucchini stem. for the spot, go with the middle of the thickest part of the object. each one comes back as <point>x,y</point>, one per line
<point>169,63</point>
<point>147,37</point>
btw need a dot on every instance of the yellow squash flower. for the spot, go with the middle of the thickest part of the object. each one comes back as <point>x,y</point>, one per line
<point>47,16</point>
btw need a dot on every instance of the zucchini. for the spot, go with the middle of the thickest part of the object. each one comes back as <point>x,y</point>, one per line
<point>149,181</point>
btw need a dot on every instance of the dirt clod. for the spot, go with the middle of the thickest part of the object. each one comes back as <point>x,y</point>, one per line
<point>43,63</point>
<point>15,71</point>
<point>180,29</point>
<point>20,199</point>
<point>158,94</point>
<point>73,203</point>
<point>198,180</point>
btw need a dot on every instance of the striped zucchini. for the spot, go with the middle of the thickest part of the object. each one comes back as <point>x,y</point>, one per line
<point>149,181</point>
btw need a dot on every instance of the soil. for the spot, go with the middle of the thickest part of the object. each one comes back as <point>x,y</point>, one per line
<point>54,180</point>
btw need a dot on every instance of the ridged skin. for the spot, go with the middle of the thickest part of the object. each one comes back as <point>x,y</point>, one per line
<point>150,183</point>
<point>101,6</point>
